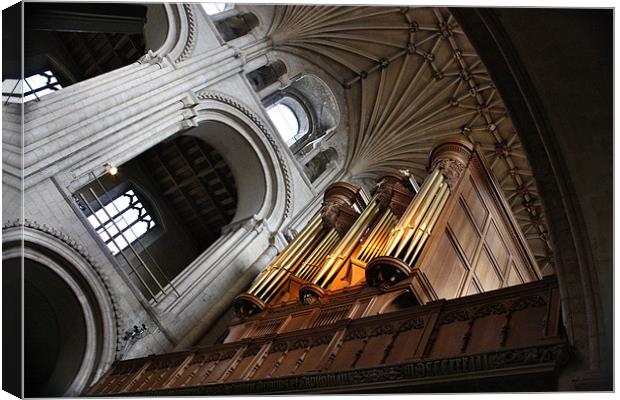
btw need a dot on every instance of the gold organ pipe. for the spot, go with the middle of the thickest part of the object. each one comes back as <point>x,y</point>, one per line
<point>270,292</point>
<point>384,237</point>
<point>376,230</point>
<point>318,252</point>
<point>353,233</point>
<point>297,252</point>
<point>426,220</point>
<point>275,265</point>
<point>314,265</point>
<point>398,232</point>
<point>431,225</point>
<point>351,239</point>
<point>417,217</point>
<point>377,240</point>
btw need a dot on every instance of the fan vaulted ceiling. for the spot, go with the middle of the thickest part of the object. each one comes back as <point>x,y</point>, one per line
<point>412,77</point>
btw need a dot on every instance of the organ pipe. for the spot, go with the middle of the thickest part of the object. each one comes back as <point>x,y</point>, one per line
<point>279,268</point>
<point>337,258</point>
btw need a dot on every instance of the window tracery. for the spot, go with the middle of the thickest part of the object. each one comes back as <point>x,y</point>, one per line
<point>33,87</point>
<point>122,221</point>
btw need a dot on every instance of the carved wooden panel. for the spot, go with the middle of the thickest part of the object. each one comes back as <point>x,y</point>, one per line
<point>472,198</point>
<point>197,370</point>
<point>446,270</point>
<point>219,367</point>
<point>486,272</point>
<point>464,231</point>
<point>315,354</point>
<point>514,277</point>
<point>498,247</point>
<point>488,328</point>
<point>407,340</point>
<point>246,359</point>
<point>450,331</point>
<point>528,318</point>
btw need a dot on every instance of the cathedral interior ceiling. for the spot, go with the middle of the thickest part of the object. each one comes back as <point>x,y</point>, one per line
<point>412,77</point>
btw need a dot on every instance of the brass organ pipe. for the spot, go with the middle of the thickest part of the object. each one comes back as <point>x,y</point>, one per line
<point>296,252</point>
<point>384,238</point>
<point>410,211</point>
<point>353,232</point>
<point>428,183</point>
<point>425,220</point>
<point>379,238</point>
<point>431,225</point>
<point>314,265</point>
<point>281,279</point>
<point>316,254</point>
<point>275,264</point>
<point>377,228</point>
<point>333,264</point>
<point>417,218</point>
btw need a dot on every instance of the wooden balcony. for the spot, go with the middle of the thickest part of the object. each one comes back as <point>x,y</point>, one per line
<point>479,342</point>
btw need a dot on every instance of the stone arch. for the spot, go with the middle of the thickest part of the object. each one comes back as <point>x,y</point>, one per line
<point>252,139</point>
<point>61,262</point>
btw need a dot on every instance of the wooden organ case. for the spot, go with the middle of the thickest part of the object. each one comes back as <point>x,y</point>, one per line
<point>405,290</point>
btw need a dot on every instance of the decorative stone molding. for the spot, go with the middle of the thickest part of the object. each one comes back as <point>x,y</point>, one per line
<point>216,96</point>
<point>191,34</point>
<point>81,250</point>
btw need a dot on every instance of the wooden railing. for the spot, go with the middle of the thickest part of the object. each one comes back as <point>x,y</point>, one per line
<point>455,336</point>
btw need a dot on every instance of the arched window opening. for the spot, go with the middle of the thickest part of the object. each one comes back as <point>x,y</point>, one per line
<point>236,26</point>
<point>161,210</point>
<point>31,88</point>
<point>78,41</point>
<point>216,8</point>
<point>290,119</point>
<point>285,121</point>
<point>266,75</point>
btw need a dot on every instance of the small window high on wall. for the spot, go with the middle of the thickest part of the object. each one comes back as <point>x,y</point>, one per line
<point>33,87</point>
<point>216,8</point>
<point>290,119</point>
<point>122,221</point>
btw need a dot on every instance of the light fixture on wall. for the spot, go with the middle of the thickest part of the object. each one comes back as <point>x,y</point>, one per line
<point>111,169</point>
